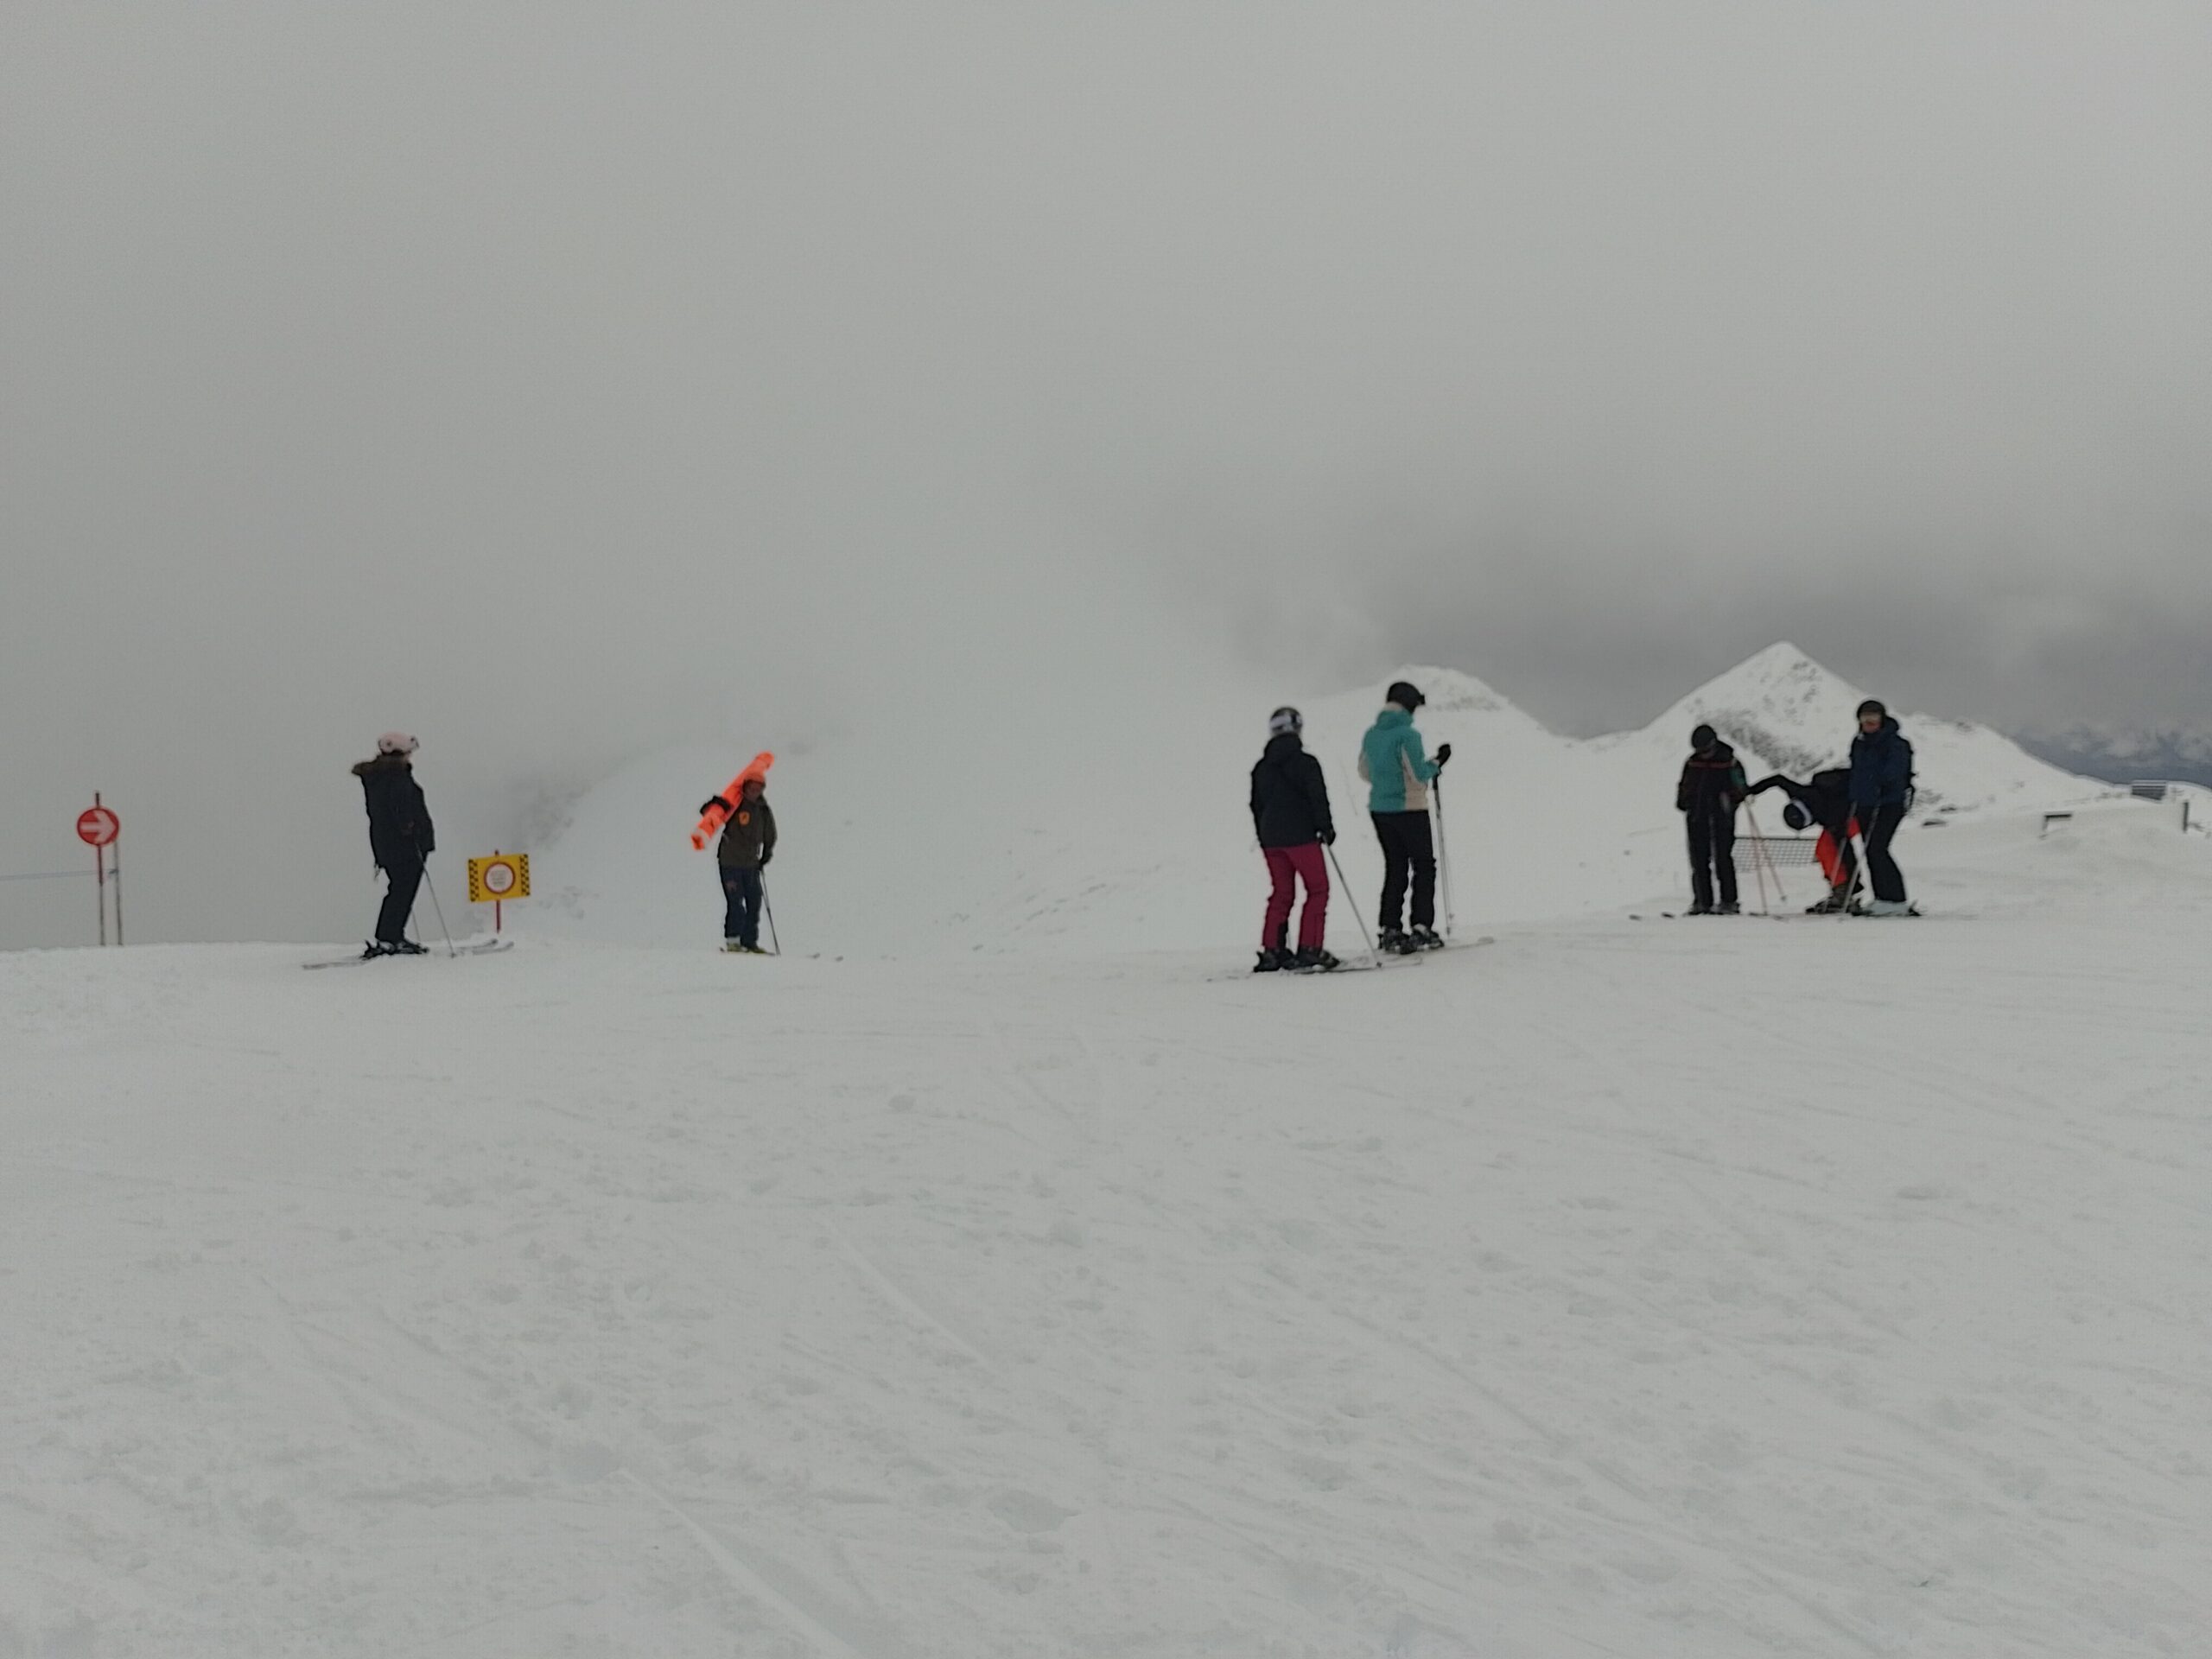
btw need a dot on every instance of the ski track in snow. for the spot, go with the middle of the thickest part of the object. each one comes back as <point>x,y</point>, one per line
<point>1613,1290</point>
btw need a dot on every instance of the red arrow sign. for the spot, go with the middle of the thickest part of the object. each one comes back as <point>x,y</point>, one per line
<point>98,827</point>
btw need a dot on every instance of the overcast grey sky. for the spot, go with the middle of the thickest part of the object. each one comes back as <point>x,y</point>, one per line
<point>556,380</point>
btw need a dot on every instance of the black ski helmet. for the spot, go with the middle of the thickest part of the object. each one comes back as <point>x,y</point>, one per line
<point>1872,707</point>
<point>1406,695</point>
<point>1797,814</point>
<point>1703,738</point>
<point>1285,720</point>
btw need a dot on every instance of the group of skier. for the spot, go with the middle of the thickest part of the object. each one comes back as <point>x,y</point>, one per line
<point>1290,813</point>
<point>1868,801</point>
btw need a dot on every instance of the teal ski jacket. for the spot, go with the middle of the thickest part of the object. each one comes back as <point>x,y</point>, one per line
<point>1394,768</point>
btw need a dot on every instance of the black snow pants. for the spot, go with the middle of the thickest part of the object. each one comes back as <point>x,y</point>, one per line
<point>405,876</point>
<point>1881,868</point>
<point>741,891</point>
<point>1713,854</point>
<point>1408,849</point>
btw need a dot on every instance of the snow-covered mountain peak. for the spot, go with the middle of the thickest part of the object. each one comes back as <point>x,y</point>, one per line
<point>1450,692</point>
<point>1785,711</point>
<point>1780,704</point>
<point>1779,680</point>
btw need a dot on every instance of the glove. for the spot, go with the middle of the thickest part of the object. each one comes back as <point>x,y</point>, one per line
<point>765,858</point>
<point>1443,753</point>
<point>1328,837</point>
<point>711,803</point>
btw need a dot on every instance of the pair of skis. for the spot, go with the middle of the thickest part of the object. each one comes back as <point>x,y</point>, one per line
<point>482,948</point>
<point>1369,963</point>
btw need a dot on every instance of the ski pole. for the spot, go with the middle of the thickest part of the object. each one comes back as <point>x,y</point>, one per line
<point>1761,850</point>
<point>769,911</point>
<point>1758,870</point>
<point>1346,887</point>
<point>1443,851</point>
<point>1774,870</point>
<point>1862,873</point>
<point>436,908</point>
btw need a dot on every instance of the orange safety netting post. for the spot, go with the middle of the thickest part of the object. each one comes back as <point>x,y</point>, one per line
<point>724,804</point>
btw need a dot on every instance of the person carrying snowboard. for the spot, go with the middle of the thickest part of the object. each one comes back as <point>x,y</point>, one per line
<point>1290,814</point>
<point>1881,794</point>
<point>1397,773</point>
<point>1823,799</point>
<point>400,837</point>
<point>748,843</point>
<point>1710,786</point>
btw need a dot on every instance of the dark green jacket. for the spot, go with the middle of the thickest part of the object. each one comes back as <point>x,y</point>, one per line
<point>749,838</point>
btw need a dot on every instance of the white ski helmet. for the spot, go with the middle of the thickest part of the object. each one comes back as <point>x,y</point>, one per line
<point>1284,721</point>
<point>397,743</point>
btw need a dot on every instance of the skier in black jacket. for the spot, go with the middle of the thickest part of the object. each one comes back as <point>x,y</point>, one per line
<point>1710,786</point>
<point>1290,813</point>
<point>1881,794</point>
<point>400,836</point>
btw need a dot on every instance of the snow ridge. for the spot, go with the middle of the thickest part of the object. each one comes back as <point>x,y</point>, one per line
<point>1138,837</point>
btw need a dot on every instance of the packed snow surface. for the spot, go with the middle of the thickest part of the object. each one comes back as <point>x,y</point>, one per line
<point>1622,1288</point>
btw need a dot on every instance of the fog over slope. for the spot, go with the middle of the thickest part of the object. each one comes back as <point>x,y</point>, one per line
<point>561,385</point>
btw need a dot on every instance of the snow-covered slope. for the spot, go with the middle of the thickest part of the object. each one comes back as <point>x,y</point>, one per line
<point>1135,835</point>
<point>1686,1291</point>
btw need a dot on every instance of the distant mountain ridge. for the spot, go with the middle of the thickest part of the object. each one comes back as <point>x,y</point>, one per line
<point>2122,755</point>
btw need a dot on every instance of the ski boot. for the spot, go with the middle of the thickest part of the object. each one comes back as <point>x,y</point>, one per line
<point>1731,908</point>
<point>1891,907</point>
<point>1425,938</point>
<point>1827,906</point>
<point>1314,960</point>
<point>406,948</point>
<point>1271,961</point>
<point>374,949</point>
<point>1702,908</point>
<point>1395,942</point>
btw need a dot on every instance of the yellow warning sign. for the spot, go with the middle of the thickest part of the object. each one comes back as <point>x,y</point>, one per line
<point>502,876</point>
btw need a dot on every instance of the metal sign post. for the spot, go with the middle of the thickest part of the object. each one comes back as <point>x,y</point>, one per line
<point>98,829</point>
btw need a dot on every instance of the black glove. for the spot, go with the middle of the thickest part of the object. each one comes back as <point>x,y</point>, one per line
<point>764,857</point>
<point>711,803</point>
<point>1443,753</point>
<point>1328,837</point>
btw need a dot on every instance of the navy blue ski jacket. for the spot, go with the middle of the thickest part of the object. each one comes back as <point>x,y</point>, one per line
<point>400,831</point>
<point>1881,769</point>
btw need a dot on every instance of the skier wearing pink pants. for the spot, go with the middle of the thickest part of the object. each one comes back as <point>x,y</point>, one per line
<point>1290,812</point>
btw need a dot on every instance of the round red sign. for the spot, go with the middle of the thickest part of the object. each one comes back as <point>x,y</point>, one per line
<point>97,826</point>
